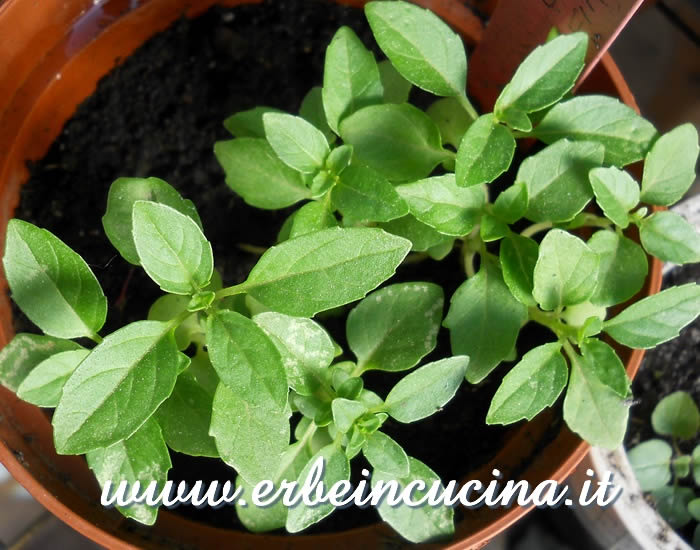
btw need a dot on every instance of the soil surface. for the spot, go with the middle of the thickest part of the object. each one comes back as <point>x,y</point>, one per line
<point>159,114</point>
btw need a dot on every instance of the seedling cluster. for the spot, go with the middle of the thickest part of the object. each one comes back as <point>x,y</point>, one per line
<point>380,182</point>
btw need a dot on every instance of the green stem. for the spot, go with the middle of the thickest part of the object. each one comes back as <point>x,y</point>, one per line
<point>469,264</point>
<point>96,338</point>
<point>535,228</point>
<point>252,249</point>
<point>230,291</point>
<point>553,323</point>
<point>468,107</point>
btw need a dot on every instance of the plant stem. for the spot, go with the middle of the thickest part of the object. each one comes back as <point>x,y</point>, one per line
<point>468,107</point>
<point>252,249</point>
<point>535,228</point>
<point>230,291</point>
<point>96,338</point>
<point>553,323</point>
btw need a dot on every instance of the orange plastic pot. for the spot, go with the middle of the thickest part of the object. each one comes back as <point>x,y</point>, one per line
<point>52,53</point>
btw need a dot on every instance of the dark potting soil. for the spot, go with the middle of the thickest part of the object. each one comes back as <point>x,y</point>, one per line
<point>158,114</point>
<point>671,367</point>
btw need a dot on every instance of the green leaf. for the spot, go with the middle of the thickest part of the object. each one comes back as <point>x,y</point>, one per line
<point>325,269</point>
<point>557,179</point>
<point>143,457</point>
<point>350,77</point>
<point>424,391</point>
<point>337,468</point>
<point>421,523</point>
<point>172,248</point>
<point>616,192</point>
<point>484,321</point>
<point>451,118</point>
<point>511,204</point>
<point>298,143</point>
<point>51,283</point>
<point>669,169</point>
<point>258,175</point>
<point>312,111</point>
<point>656,319</point>
<point>422,236</point>
<point>396,87</point>
<point>117,387</point>
<point>420,45</point>
<point>625,135</point>
<point>399,141</point>
<point>44,384</point>
<point>24,352</point>
<point>395,327</point>
<point>385,455</point>
<point>546,74</point>
<point>123,193</point>
<point>516,119</point>
<point>492,229</point>
<point>313,216</point>
<point>170,306</point>
<point>681,467</point>
<point>676,415</point>
<point>249,123</point>
<point>696,464</point>
<point>518,257</point>
<point>622,270</point>
<point>651,462</point>
<point>363,194</point>
<point>592,409</point>
<point>566,271</point>
<point>670,238</point>
<point>485,152</point>
<point>339,159</point>
<point>185,418</point>
<point>305,348</point>
<point>345,412</point>
<point>440,203</point>
<point>530,386</point>
<point>672,504</point>
<point>440,251</point>
<point>607,366</point>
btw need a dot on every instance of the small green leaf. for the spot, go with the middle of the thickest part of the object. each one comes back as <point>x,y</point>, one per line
<point>298,143</point>
<point>24,352</point>
<point>622,270</point>
<point>385,455</point>
<point>396,87</point>
<point>337,468</point>
<point>531,385</point>
<point>249,123</point>
<point>518,257</point>
<point>592,409</point>
<point>616,192</point>
<point>103,401</point>
<point>313,216</point>
<point>363,194</point>
<point>172,249</point>
<point>325,269</point>
<point>694,508</point>
<point>607,366</point>
<point>451,118</point>
<point>258,175</point>
<point>399,141</point>
<point>339,159</point>
<point>545,75</point>
<point>350,77</point>
<point>420,45</point>
<point>485,152</point>
<point>557,179</point>
<point>143,457</point>
<point>681,466</point>
<point>420,523</point>
<point>305,347</point>
<point>651,462</point>
<point>185,418</point>
<point>516,119</point>
<point>656,319</point>
<point>669,169</point>
<point>440,203</point>
<point>672,504</point>
<point>492,229</point>
<point>676,415</point>
<point>625,135</point>
<point>424,391</point>
<point>44,384</point>
<point>312,111</point>
<point>51,283</point>
<point>511,204</point>
<point>393,328</point>
<point>345,412</point>
<point>566,271</point>
<point>123,193</point>
<point>422,236</point>
<point>670,238</point>
<point>484,321</point>
<point>440,251</point>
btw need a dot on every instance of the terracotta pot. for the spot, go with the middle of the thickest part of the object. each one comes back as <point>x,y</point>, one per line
<point>53,54</point>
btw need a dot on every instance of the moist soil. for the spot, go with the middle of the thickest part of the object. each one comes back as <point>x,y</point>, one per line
<point>159,113</point>
<point>671,367</point>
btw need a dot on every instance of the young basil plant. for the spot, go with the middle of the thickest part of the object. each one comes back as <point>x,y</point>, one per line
<point>375,177</point>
